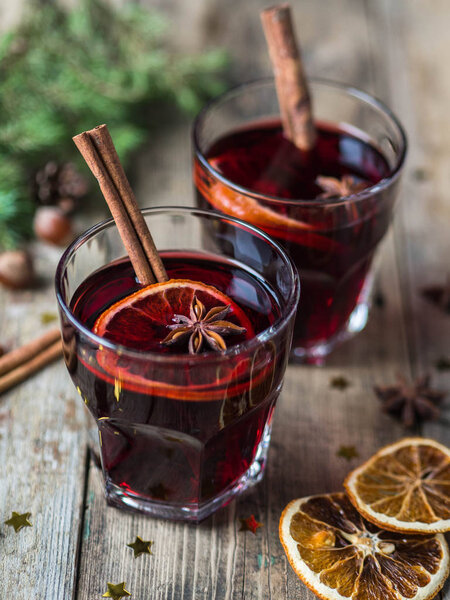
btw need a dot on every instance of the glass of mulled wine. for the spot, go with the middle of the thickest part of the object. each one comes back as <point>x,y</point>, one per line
<point>180,434</point>
<point>329,208</point>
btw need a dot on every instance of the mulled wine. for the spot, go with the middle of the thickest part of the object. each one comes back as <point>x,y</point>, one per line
<point>180,434</point>
<point>329,207</point>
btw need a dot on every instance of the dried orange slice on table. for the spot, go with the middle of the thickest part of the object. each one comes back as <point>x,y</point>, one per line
<point>338,554</point>
<point>404,487</point>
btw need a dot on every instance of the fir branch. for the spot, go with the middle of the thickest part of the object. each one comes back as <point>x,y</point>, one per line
<point>62,72</point>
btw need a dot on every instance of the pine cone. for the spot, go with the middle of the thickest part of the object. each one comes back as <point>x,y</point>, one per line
<point>59,185</point>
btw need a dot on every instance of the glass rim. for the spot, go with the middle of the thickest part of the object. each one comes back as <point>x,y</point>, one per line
<point>260,338</point>
<point>313,202</point>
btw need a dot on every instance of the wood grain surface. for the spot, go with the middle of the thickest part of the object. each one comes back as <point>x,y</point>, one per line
<point>395,50</point>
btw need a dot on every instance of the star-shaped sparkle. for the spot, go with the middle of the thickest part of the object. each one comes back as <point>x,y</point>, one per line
<point>116,591</point>
<point>439,295</point>
<point>347,452</point>
<point>19,521</point>
<point>250,524</point>
<point>339,382</point>
<point>140,546</point>
<point>442,363</point>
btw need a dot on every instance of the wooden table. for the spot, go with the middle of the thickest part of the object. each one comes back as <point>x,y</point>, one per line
<point>399,51</point>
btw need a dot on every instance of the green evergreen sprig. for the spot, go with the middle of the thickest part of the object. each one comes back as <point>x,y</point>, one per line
<point>62,72</point>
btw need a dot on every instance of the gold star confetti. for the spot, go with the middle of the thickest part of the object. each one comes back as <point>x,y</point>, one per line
<point>443,363</point>
<point>116,591</point>
<point>140,547</point>
<point>347,452</point>
<point>339,382</point>
<point>48,317</point>
<point>18,521</point>
<point>250,524</point>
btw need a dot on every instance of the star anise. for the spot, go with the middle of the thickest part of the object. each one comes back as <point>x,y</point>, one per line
<point>338,188</point>
<point>199,327</point>
<point>439,295</point>
<point>412,403</point>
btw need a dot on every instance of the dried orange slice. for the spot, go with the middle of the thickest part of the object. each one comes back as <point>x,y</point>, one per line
<point>404,487</point>
<point>278,225</point>
<point>338,554</point>
<point>140,322</point>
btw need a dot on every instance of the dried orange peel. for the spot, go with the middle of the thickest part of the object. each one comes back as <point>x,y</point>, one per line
<point>383,539</point>
<point>404,487</point>
<point>339,555</point>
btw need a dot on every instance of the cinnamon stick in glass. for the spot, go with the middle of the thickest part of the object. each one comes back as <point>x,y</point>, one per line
<point>292,87</point>
<point>97,149</point>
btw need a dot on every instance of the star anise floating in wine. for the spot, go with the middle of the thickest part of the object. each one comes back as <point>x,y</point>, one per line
<point>334,187</point>
<point>412,403</point>
<point>202,326</point>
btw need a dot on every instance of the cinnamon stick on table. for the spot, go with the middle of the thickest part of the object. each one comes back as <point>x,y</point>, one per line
<point>290,79</point>
<point>21,363</point>
<point>97,149</point>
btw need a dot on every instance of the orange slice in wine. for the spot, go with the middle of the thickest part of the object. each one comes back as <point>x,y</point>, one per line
<point>339,555</point>
<point>404,487</point>
<point>141,321</point>
<point>248,209</point>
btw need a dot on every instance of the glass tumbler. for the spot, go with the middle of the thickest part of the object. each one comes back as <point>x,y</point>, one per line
<point>332,241</point>
<point>180,434</point>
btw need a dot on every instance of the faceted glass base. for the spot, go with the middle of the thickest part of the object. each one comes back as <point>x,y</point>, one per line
<point>120,498</point>
<point>316,355</point>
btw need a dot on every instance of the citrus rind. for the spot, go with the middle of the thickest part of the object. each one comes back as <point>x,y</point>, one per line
<point>392,523</point>
<point>313,581</point>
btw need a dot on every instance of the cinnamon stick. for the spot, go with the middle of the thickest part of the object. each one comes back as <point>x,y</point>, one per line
<point>290,79</point>
<point>18,365</point>
<point>21,355</point>
<point>97,148</point>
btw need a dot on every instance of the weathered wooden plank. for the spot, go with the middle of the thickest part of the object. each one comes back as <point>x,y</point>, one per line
<point>379,50</point>
<point>422,94</point>
<point>42,458</point>
<point>416,39</point>
<point>214,560</point>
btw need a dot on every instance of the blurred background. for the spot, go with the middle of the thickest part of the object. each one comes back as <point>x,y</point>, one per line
<point>147,67</point>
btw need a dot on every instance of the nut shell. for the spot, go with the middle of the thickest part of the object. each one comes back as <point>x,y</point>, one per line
<point>16,269</point>
<point>53,226</point>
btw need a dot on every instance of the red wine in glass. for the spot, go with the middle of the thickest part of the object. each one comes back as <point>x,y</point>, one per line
<point>169,443</point>
<point>255,173</point>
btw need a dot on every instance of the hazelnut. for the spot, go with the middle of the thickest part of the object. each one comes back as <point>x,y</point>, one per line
<point>53,226</point>
<point>16,269</point>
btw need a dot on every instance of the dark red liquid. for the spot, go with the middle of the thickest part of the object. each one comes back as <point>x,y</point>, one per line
<point>193,439</point>
<point>332,244</point>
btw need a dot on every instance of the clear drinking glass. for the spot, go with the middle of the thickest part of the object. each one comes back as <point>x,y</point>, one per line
<point>180,434</point>
<point>332,241</point>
